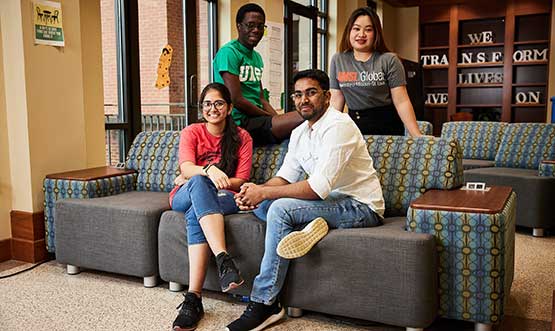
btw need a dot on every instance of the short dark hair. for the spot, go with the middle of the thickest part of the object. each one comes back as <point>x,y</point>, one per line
<point>316,74</point>
<point>249,7</point>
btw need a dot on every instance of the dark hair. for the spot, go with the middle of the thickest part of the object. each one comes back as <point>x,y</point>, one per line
<point>378,44</point>
<point>318,75</point>
<point>249,7</point>
<point>230,142</point>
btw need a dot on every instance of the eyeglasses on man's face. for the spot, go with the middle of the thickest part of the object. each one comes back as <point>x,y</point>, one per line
<point>251,26</point>
<point>309,93</point>
<point>207,105</point>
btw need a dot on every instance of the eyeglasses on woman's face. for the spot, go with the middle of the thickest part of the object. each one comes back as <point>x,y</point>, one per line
<point>309,93</point>
<point>207,105</point>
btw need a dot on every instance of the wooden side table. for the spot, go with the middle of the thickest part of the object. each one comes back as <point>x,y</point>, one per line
<point>82,184</point>
<point>474,232</point>
<point>91,173</point>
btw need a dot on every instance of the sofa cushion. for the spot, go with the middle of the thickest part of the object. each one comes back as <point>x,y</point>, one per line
<point>525,145</point>
<point>534,194</point>
<point>478,140</point>
<point>473,164</point>
<point>155,157</point>
<point>407,167</point>
<point>244,235</point>
<point>384,273</point>
<point>114,234</point>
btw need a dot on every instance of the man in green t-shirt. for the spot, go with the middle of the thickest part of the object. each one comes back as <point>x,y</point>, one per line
<point>239,67</point>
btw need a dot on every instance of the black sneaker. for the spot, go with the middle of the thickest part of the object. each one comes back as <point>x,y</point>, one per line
<point>190,314</point>
<point>257,316</point>
<point>228,272</point>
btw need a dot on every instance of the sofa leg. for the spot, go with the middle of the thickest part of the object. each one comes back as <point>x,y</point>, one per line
<point>176,287</point>
<point>72,269</point>
<point>538,232</point>
<point>150,281</point>
<point>294,312</point>
<point>482,327</point>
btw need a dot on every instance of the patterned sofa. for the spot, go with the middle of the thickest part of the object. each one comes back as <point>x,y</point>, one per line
<point>384,274</point>
<point>479,141</point>
<point>522,162</point>
<point>426,128</point>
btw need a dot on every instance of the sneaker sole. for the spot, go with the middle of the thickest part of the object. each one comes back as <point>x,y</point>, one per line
<point>191,328</point>
<point>184,329</point>
<point>270,320</point>
<point>298,243</point>
<point>233,285</point>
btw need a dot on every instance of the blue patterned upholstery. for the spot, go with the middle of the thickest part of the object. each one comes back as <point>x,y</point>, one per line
<point>266,161</point>
<point>56,189</point>
<point>478,140</point>
<point>476,260</point>
<point>407,167</point>
<point>155,157</point>
<point>547,169</point>
<point>426,128</point>
<point>525,145</point>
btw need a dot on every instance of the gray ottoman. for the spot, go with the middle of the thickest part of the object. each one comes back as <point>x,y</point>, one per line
<point>116,234</point>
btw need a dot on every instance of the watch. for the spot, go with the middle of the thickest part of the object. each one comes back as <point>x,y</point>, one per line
<point>205,168</point>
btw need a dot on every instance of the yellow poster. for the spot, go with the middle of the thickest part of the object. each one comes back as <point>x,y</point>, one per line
<point>48,23</point>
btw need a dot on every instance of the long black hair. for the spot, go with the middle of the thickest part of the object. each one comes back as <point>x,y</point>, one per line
<point>230,142</point>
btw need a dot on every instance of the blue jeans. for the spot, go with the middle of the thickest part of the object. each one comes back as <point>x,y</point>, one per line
<point>287,214</point>
<point>198,198</point>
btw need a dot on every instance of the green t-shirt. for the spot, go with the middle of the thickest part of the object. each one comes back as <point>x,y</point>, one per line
<point>238,60</point>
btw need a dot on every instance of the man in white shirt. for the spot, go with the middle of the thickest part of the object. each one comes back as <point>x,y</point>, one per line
<point>342,187</point>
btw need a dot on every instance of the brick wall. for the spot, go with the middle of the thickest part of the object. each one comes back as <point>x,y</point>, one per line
<point>160,23</point>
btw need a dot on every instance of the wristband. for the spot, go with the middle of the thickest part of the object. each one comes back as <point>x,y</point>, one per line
<point>205,168</point>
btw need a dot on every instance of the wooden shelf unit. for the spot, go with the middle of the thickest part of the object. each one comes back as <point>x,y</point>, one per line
<point>515,25</point>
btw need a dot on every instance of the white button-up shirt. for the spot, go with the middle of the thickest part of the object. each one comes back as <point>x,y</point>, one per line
<point>334,155</point>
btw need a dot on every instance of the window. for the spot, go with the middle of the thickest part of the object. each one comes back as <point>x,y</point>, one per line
<point>305,39</point>
<point>134,35</point>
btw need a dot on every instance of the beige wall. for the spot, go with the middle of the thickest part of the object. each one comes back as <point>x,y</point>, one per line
<point>53,102</point>
<point>16,108</point>
<point>93,98</point>
<point>56,95</point>
<point>5,180</point>
<point>400,25</point>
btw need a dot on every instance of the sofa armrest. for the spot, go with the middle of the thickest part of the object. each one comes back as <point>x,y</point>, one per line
<point>475,234</point>
<point>82,184</point>
<point>546,168</point>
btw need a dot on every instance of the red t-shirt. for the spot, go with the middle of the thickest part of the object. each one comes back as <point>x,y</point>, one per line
<point>199,146</point>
